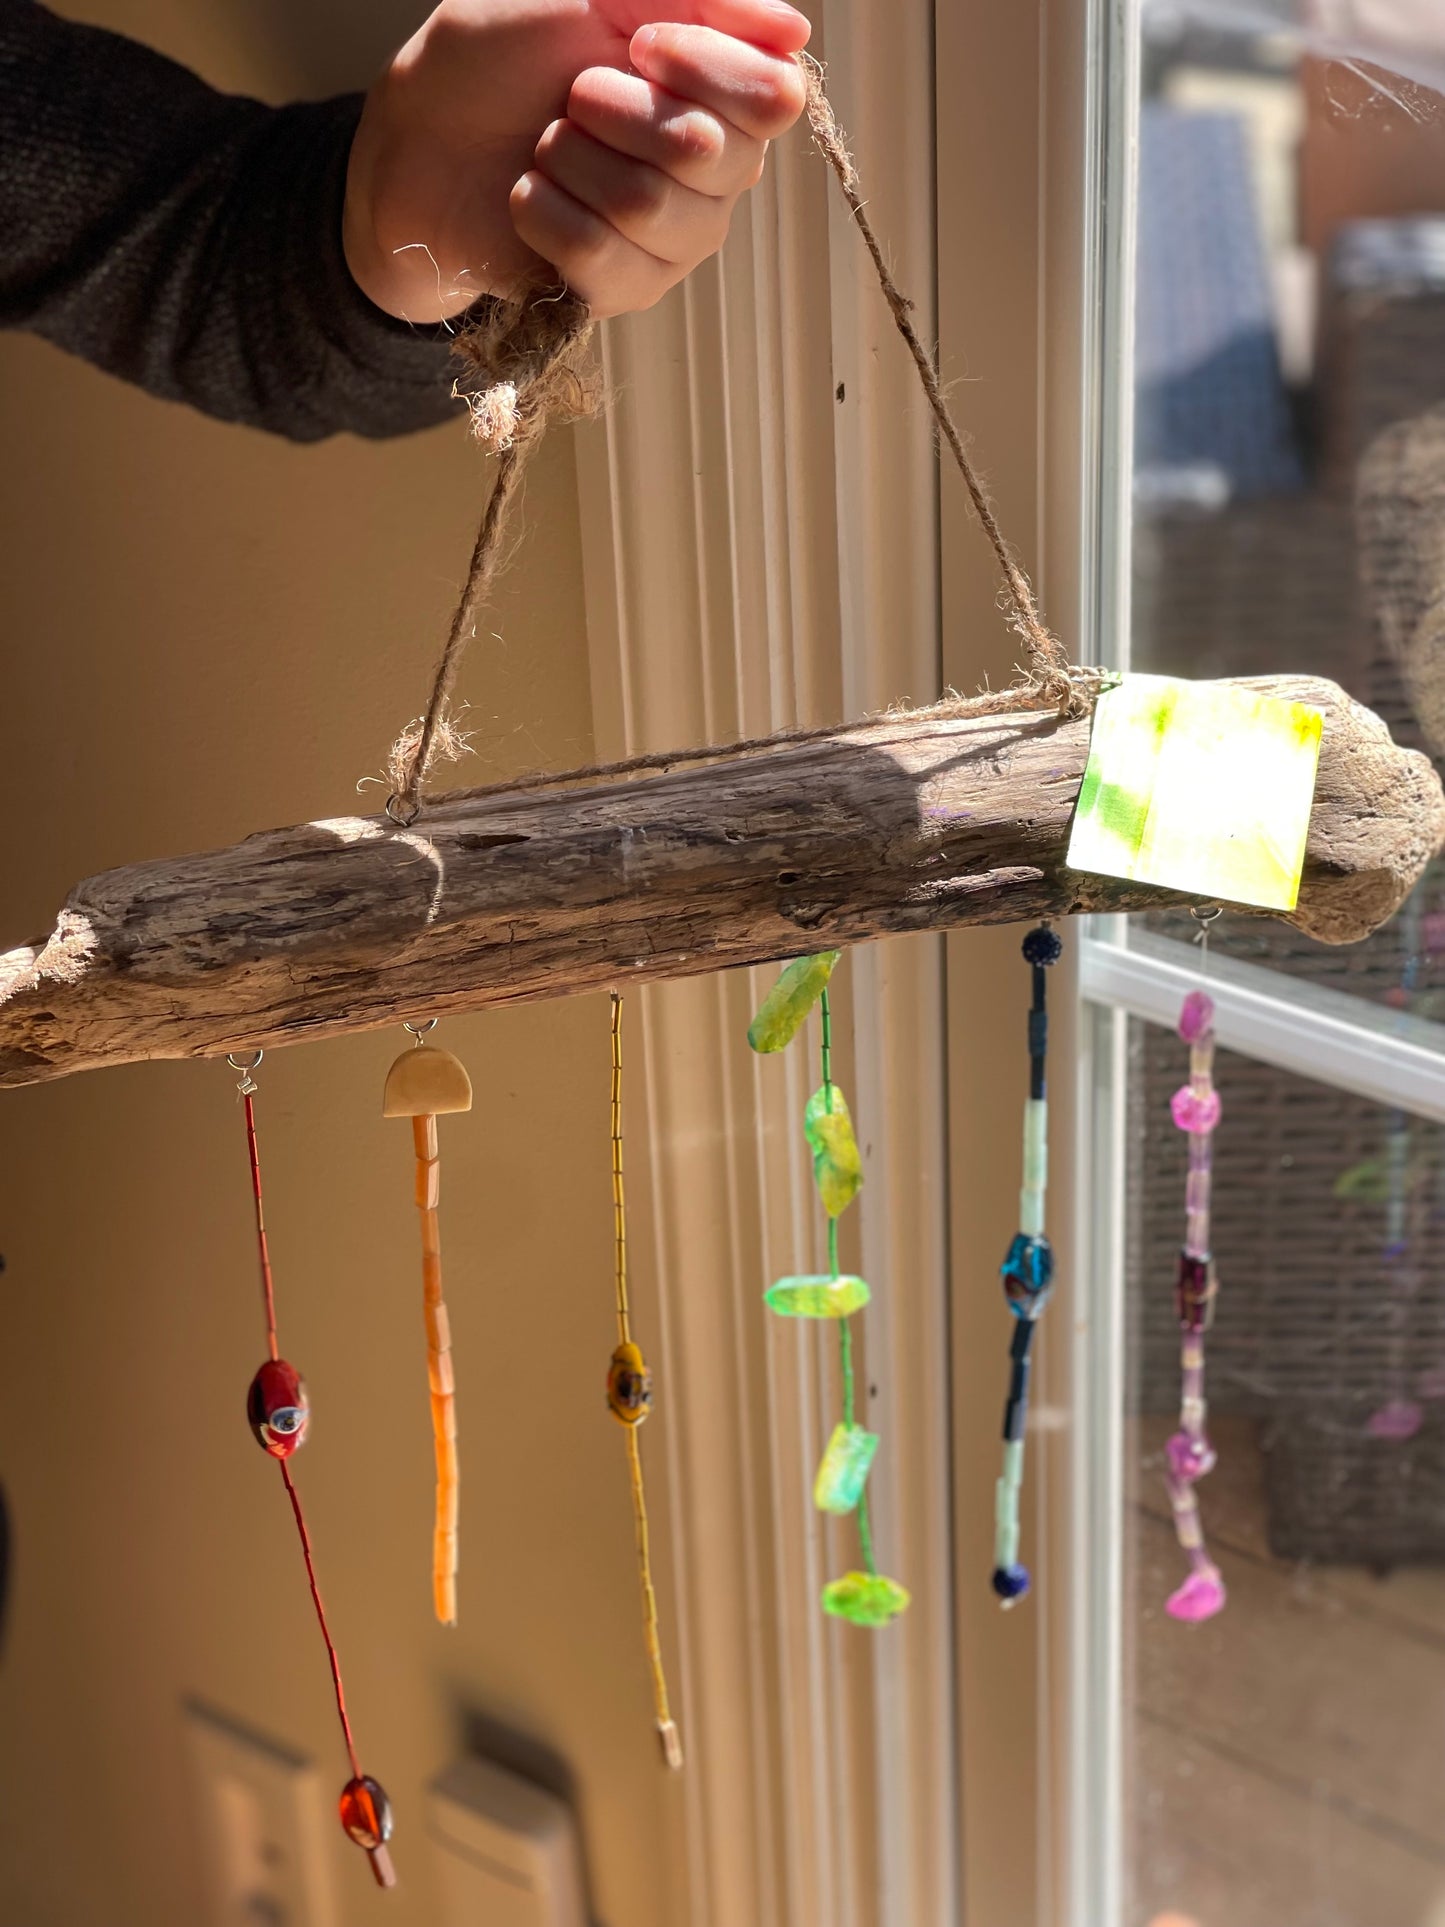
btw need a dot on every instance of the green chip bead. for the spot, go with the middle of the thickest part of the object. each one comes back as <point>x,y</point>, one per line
<point>791,998</point>
<point>837,1167</point>
<point>867,1598</point>
<point>817,1296</point>
<point>843,1469</point>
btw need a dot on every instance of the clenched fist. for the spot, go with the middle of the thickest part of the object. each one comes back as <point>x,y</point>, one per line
<point>579,134</point>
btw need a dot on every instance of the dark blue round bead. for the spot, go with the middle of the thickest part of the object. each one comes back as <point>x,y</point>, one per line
<point>1011,1583</point>
<point>1042,946</point>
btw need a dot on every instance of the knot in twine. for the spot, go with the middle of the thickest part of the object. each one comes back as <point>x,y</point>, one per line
<point>522,369</point>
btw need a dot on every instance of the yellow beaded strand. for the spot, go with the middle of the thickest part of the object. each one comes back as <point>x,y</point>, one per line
<point>629,1396</point>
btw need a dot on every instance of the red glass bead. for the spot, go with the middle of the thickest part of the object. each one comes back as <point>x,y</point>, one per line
<point>365,1812</point>
<point>277,1409</point>
<point>1194,1292</point>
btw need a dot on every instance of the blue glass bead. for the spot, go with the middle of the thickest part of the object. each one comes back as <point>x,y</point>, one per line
<point>1028,1273</point>
<point>1042,946</point>
<point>1011,1583</point>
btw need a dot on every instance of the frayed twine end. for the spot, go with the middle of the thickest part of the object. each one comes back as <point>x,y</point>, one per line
<point>823,125</point>
<point>494,414</point>
<point>448,745</point>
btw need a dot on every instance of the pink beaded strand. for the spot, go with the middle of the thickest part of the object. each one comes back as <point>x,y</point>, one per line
<point>1195,1108</point>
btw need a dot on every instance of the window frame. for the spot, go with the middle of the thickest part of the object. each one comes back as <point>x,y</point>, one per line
<point>1395,1059</point>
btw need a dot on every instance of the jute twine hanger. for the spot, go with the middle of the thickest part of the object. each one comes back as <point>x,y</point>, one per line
<point>525,363</point>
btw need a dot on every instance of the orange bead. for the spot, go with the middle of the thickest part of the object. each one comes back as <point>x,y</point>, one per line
<point>365,1812</point>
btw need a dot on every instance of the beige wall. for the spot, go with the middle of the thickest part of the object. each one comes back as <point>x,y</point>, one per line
<point>206,633</point>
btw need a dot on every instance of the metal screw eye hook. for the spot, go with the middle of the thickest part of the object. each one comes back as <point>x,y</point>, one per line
<point>247,1084</point>
<point>402,811</point>
<point>418,1031</point>
<point>1204,918</point>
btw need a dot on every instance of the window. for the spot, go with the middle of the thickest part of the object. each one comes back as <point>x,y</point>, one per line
<point>1287,381</point>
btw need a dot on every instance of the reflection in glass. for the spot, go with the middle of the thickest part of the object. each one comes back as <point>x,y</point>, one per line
<point>1283,1759</point>
<point>1290,392</point>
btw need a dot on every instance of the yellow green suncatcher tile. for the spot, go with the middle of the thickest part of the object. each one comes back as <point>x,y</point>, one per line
<point>1201,787</point>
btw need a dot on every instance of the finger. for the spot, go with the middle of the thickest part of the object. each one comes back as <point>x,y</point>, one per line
<point>760,92</point>
<point>690,143</point>
<point>766,23</point>
<point>645,205</point>
<point>611,274</point>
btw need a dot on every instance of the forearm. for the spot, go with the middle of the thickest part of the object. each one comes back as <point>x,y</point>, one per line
<point>190,241</point>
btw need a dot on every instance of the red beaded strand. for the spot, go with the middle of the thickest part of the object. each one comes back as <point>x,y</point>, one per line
<point>279,1414</point>
<point>268,1284</point>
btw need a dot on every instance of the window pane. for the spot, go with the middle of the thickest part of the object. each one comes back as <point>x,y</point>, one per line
<point>1290,388</point>
<point>1283,1758</point>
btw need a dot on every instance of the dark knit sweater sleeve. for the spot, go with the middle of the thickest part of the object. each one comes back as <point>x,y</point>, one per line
<point>190,241</point>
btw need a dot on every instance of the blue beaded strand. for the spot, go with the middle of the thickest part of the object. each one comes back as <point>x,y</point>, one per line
<point>1028,1274</point>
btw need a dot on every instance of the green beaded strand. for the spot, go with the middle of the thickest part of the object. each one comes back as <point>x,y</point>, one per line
<point>845,1329</point>
<point>866,1597</point>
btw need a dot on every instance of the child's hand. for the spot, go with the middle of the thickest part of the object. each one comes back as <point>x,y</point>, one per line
<point>580,133</point>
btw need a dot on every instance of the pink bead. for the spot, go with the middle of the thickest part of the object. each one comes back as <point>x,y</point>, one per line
<point>1196,1111</point>
<point>1189,1459</point>
<point>1400,1419</point>
<point>1196,1019</point>
<point>1200,1597</point>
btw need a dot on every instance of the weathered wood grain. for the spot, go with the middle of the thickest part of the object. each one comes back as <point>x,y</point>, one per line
<point>915,822</point>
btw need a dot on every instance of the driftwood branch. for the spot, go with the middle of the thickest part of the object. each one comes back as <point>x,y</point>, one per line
<point>914,822</point>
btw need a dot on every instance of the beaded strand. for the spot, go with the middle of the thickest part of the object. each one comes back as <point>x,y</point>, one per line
<point>1195,1108</point>
<point>629,1399</point>
<point>1027,1272</point>
<point>866,1596</point>
<point>279,1414</point>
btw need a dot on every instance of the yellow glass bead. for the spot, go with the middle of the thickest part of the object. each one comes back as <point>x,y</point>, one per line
<point>787,1004</point>
<point>817,1296</point>
<point>843,1469</point>
<point>867,1598</point>
<point>837,1167</point>
<point>629,1386</point>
